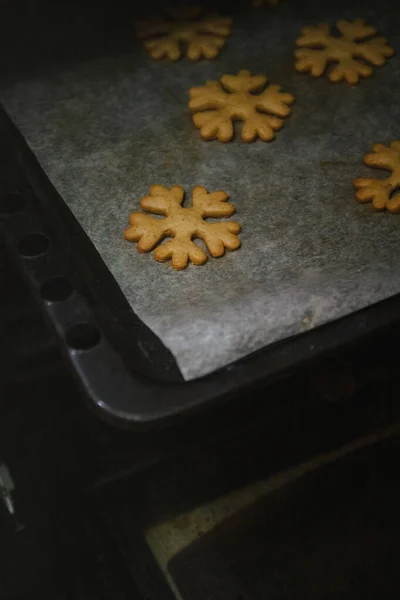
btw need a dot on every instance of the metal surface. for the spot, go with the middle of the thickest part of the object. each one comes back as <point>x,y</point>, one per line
<point>106,129</point>
<point>6,488</point>
<point>172,540</point>
<point>333,533</point>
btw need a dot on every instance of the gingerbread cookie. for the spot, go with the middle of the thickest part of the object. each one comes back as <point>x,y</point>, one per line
<point>203,37</point>
<point>318,48</point>
<point>215,108</point>
<point>380,191</point>
<point>183,224</point>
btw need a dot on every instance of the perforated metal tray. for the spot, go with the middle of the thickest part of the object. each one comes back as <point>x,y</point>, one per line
<point>316,256</point>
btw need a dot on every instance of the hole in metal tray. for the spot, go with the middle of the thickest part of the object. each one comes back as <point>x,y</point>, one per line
<point>33,244</point>
<point>57,289</point>
<point>83,336</point>
<point>11,203</point>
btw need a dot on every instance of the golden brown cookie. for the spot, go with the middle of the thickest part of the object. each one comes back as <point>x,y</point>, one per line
<point>183,224</point>
<point>318,48</point>
<point>204,37</point>
<point>380,191</point>
<point>215,108</point>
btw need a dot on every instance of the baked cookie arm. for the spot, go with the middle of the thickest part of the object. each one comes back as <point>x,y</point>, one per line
<point>161,199</point>
<point>274,101</point>
<point>212,205</point>
<point>219,236</point>
<point>180,250</point>
<point>145,230</point>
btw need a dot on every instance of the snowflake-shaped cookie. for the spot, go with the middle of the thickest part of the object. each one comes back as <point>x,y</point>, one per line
<point>380,191</point>
<point>204,37</point>
<point>318,48</point>
<point>216,108</point>
<point>183,224</point>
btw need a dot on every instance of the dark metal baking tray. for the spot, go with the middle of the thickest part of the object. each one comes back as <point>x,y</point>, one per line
<point>124,368</point>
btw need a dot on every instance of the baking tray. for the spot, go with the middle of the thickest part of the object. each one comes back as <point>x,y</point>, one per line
<point>123,366</point>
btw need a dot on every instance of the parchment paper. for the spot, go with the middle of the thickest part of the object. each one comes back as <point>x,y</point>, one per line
<point>106,129</point>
